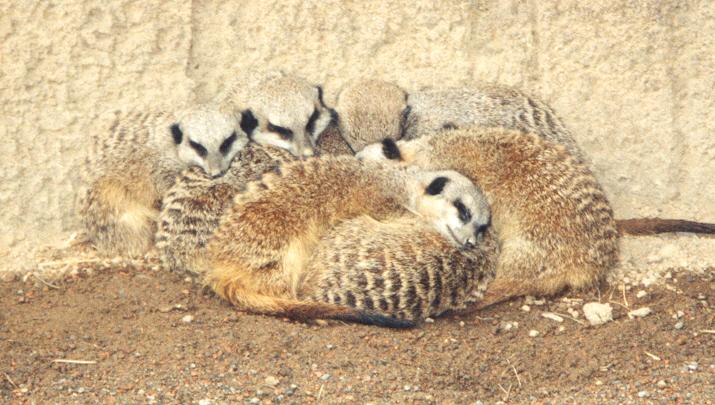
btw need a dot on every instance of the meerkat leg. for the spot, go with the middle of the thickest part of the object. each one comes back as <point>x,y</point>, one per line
<point>244,291</point>
<point>120,216</point>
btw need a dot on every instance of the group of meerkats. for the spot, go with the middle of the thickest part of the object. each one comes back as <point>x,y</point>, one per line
<point>386,210</point>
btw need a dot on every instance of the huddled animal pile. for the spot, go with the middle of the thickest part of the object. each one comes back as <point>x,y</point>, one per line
<point>455,199</point>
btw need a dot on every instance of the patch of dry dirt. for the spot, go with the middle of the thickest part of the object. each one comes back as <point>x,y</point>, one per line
<point>130,324</point>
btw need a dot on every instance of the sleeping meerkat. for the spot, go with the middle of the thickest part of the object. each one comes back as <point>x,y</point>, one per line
<point>554,223</point>
<point>257,255</point>
<point>192,207</point>
<point>398,267</point>
<point>137,160</point>
<point>371,110</point>
<point>279,110</point>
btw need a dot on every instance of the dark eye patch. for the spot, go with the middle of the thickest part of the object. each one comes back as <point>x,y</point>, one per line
<point>248,122</point>
<point>449,125</point>
<point>226,144</point>
<point>285,133</point>
<point>481,229</point>
<point>436,186</point>
<point>176,133</point>
<point>390,149</point>
<point>199,148</point>
<point>464,214</point>
<point>310,126</point>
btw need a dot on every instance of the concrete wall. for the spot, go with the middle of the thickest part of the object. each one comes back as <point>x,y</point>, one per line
<point>634,80</point>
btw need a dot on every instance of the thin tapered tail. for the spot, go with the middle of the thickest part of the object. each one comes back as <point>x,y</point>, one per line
<point>653,226</point>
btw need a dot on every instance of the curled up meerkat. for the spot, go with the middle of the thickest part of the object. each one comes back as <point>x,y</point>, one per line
<point>256,258</point>
<point>553,221</point>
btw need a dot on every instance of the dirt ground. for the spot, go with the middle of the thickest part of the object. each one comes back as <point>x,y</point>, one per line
<point>149,336</point>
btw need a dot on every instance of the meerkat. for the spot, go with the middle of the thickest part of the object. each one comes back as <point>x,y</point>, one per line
<point>279,110</point>
<point>192,207</point>
<point>256,257</point>
<point>554,223</point>
<point>398,267</point>
<point>370,110</point>
<point>137,160</point>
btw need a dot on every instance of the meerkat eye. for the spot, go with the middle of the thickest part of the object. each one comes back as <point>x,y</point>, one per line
<point>176,133</point>
<point>199,148</point>
<point>436,186</point>
<point>464,214</point>
<point>285,133</point>
<point>481,229</point>
<point>310,127</point>
<point>226,144</point>
<point>390,149</point>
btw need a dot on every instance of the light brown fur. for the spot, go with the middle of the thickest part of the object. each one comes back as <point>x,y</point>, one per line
<point>193,206</point>
<point>554,223</point>
<point>379,103</point>
<point>257,257</point>
<point>398,267</point>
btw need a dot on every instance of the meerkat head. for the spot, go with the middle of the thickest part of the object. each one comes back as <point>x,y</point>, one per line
<point>288,113</point>
<point>208,138</point>
<point>370,110</point>
<point>453,205</point>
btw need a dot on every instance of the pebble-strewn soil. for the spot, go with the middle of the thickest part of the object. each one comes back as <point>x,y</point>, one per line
<point>151,336</point>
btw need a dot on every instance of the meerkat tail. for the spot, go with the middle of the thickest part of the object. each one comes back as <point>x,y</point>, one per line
<point>233,291</point>
<point>653,226</point>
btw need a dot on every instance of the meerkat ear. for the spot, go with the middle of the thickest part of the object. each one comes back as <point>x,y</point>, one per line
<point>437,185</point>
<point>319,89</point>
<point>176,133</point>
<point>248,122</point>
<point>390,149</point>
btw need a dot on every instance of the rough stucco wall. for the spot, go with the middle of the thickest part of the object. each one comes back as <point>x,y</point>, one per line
<point>634,80</point>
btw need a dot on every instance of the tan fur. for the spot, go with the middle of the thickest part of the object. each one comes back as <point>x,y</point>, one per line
<point>379,104</point>
<point>398,267</point>
<point>130,174</point>
<point>554,223</point>
<point>331,142</point>
<point>192,207</point>
<point>263,242</point>
<point>371,110</point>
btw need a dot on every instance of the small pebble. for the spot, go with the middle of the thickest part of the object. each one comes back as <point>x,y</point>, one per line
<point>461,323</point>
<point>187,319</point>
<point>598,313</point>
<point>679,325</point>
<point>661,384</point>
<point>701,296</point>
<point>255,401</point>
<point>325,377</point>
<point>533,333</point>
<point>406,388</point>
<point>552,316</point>
<point>678,315</point>
<point>641,294</point>
<point>525,308</point>
<point>643,394</point>
<point>692,366</point>
<point>429,320</point>
<point>206,402</point>
<point>639,313</point>
<point>272,381</point>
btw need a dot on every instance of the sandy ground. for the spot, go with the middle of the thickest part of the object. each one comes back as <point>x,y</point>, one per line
<point>145,335</point>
